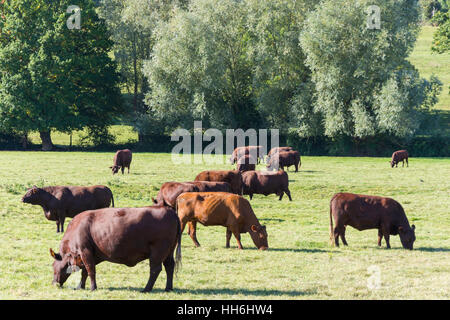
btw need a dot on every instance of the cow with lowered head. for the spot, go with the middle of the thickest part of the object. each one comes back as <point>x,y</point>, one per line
<point>60,202</point>
<point>122,159</point>
<point>266,182</point>
<point>119,235</point>
<point>282,159</point>
<point>399,156</point>
<point>370,212</point>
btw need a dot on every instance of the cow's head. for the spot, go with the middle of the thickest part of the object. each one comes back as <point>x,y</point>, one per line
<point>407,236</point>
<point>33,195</point>
<point>259,236</point>
<point>114,169</point>
<point>60,268</point>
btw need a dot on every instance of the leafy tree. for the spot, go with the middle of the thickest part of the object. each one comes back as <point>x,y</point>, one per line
<point>441,38</point>
<point>355,68</point>
<point>52,77</point>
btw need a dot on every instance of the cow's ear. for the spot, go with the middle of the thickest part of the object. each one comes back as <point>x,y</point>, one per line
<point>254,228</point>
<point>56,256</point>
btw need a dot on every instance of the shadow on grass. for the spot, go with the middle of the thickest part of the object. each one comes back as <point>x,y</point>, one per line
<point>428,249</point>
<point>222,291</point>
<point>289,250</point>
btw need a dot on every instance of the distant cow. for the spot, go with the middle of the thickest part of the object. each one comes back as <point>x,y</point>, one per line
<point>234,178</point>
<point>60,202</point>
<point>170,191</point>
<point>370,212</point>
<point>255,151</point>
<point>246,163</point>
<point>283,159</point>
<point>276,150</point>
<point>221,209</point>
<point>398,156</point>
<point>122,160</point>
<point>124,236</point>
<point>266,182</point>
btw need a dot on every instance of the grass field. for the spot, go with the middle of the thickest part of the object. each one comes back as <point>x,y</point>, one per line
<point>300,263</point>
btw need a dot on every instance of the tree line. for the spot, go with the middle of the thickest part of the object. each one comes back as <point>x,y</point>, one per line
<point>312,68</point>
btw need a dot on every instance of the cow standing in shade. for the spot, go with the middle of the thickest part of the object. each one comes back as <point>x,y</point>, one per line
<point>283,159</point>
<point>246,163</point>
<point>60,202</point>
<point>122,160</point>
<point>370,212</point>
<point>266,182</point>
<point>234,178</point>
<point>124,236</point>
<point>221,209</point>
<point>398,156</point>
<point>276,150</point>
<point>254,151</point>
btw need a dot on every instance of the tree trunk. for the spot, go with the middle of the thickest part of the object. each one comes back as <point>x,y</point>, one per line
<point>46,138</point>
<point>25,141</point>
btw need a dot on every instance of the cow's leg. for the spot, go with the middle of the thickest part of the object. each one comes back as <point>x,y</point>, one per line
<point>296,167</point>
<point>57,226</point>
<point>281,195</point>
<point>122,169</point>
<point>155,270</point>
<point>251,196</point>
<point>169,265</point>
<point>128,169</point>
<point>237,235</point>
<point>89,264</point>
<point>288,194</point>
<point>228,237</point>
<point>380,237</point>
<point>403,163</point>
<point>385,231</point>
<point>407,164</point>
<point>193,233</point>
<point>84,276</point>
<point>342,234</point>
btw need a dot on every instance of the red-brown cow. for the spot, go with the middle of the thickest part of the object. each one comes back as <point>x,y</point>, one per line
<point>246,163</point>
<point>255,151</point>
<point>124,236</point>
<point>370,212</point>
<point>60,202</point>
<point>221,209</point>
<point>283,159</point>
<point>276,150</point>
<point>266,182</point>
<point>122,160</point>
<point>234,178</point>
<point>398,156</point>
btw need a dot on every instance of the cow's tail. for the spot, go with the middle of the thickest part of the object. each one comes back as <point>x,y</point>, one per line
<point>112,199</point>
<point>179,234</point>
<point>331,223</point>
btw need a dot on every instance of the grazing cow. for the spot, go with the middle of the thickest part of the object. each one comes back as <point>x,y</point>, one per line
<point>221,209</point>
<point>246,163</point>
<point>398,156</point>
<point>60,202</point>
<point>234,178</point>
<point>255,151</point>
<point>370,212</point>
<point>266,182</point>
<point>170,191</point>
<point>276,150</point>
<point>119,235</point>
<point>122,160</point>
<point>284,159</point>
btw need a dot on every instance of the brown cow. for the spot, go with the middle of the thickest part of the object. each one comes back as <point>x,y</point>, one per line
<point>121,235</point>
<point>398,156</point>
<point>60,202</point>
<point>170,191</point>
<point>266,182</point>
<point>246,163</point>
<point>234,178</point>
<point>370,212</point>
<point>122,160</point>
<point>255,151</point>
<point>284,159</point>
<point>276,150</point>
<point>221,209</point>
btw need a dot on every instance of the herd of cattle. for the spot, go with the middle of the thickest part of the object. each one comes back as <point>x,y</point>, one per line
<point>215,198</point>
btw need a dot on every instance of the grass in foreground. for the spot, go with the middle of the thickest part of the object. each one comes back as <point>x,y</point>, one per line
<point>300,264</point>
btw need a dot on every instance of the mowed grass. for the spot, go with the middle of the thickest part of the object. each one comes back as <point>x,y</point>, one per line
<point>300,263</point>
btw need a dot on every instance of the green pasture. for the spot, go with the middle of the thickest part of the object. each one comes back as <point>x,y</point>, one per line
<point>300,263</point>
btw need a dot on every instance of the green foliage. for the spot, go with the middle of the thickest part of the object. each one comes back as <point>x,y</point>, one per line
<point>430,7</point>
<point>441,39</point>
<point>54,78</point>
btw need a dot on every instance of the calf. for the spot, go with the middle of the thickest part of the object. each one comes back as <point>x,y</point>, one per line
<point>370,212</point>
<point>60,202</point>
<point>276,150</point>
<point>284,159</point>
<point>221,209</point>
<point>266,182</point>
<point>398,156</point>
<point>123,235</point>
<point>122,160</point>
<point>234,178</point>
<point>246,163</point>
